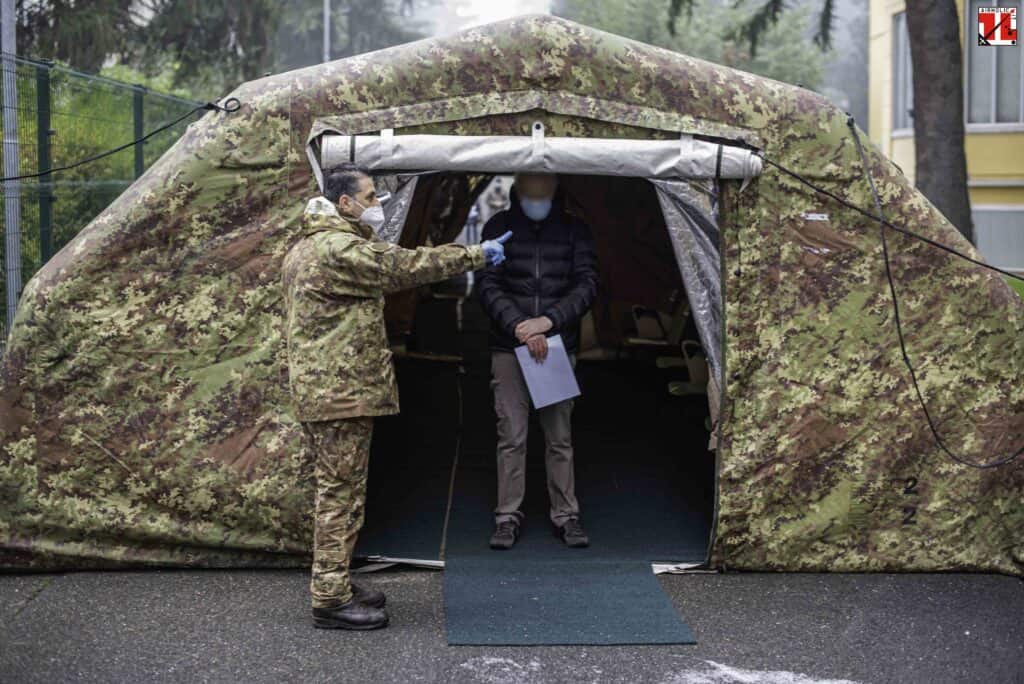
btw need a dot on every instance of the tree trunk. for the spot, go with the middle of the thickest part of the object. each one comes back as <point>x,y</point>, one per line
<point>936,57</point>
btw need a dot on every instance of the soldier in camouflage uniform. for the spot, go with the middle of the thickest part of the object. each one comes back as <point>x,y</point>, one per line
<point>340,369</point>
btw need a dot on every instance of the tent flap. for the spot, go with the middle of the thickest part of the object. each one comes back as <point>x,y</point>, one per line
<point>691,218</point>
<point>396,209</point>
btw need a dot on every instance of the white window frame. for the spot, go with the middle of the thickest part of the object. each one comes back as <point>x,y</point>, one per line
<point>1016,208</point>
<point>906,70</point>
<point>970,37</point>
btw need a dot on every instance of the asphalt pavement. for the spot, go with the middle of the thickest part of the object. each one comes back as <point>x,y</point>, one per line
<point>752,628</point>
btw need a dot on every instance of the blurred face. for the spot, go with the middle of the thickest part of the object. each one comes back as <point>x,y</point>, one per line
<point>364,198</point>
<point>536,186</point>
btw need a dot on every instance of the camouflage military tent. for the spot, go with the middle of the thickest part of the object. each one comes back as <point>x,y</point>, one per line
<point>144,413</point>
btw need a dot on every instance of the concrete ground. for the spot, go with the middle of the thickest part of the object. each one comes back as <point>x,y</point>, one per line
<point>253,626</point>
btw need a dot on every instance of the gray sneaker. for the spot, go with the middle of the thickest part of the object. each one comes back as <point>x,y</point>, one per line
<point>505,535</point>
<point>572,533</point>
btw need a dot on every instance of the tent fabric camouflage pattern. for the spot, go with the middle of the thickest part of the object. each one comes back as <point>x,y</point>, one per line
<point>144,409</point>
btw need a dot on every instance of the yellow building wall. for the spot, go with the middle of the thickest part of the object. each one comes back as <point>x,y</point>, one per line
<point>994,159</point>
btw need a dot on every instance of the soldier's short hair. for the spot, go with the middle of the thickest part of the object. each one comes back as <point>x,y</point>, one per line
<point>343,179</point>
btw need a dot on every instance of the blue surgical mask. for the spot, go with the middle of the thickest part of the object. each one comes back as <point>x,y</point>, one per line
<point>536,209</point>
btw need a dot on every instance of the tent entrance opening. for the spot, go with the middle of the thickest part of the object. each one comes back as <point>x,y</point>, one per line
<point>644,473</point>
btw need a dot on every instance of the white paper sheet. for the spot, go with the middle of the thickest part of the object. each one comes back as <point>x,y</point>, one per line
<point>551,380</point>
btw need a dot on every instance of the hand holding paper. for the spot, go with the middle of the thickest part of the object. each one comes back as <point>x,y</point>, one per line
<point>532,326</point>
<point>551,381</point>
<point>538,346</point>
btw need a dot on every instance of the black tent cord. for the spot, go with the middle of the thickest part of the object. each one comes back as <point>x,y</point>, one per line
<point>883,224</point>
<point>230,105</point>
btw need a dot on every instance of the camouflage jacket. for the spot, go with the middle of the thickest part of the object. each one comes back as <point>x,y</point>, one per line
<point>334,282</point>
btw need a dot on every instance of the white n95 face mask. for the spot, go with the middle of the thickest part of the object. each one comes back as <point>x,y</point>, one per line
<point>372,216</point>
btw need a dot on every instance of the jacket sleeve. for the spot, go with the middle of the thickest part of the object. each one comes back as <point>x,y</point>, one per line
<point>491,286</point>
<point>371,268</point>
<point>570,309</point>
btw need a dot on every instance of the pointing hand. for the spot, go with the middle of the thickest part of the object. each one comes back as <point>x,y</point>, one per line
<point>494,250</point>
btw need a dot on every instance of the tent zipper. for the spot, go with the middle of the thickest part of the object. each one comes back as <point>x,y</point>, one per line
<point>536,268</point>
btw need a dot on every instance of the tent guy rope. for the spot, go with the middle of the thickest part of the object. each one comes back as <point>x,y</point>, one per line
<point>883,224</point>
<point>1002,460</point>
<point>230,105</point>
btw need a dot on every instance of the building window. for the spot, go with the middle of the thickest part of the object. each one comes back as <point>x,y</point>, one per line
<point>999,235</point>
<point>902,78</point>
<point>995,74</point>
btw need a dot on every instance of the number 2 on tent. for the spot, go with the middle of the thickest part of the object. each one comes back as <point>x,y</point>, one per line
<point>910,510</point>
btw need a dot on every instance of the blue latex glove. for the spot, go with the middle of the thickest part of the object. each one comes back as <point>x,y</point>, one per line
<point>494,250</point>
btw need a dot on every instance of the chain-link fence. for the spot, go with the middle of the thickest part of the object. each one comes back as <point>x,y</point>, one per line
<point>64,116</point>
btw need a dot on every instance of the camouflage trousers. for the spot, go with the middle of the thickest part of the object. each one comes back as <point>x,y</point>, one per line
<point>342,449</point>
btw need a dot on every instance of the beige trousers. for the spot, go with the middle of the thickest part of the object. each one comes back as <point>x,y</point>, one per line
<point>512,406</point>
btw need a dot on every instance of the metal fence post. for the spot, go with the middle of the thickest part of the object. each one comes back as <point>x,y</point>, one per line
<point>43,134</point>
<point>137,118</point>
<point>12,188</point>
<point>49,80</point>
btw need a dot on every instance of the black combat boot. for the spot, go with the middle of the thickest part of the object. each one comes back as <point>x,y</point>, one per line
<point>572,533</point>
<point>505,535</point>
<point>368,597</point>
<point>350,615</point>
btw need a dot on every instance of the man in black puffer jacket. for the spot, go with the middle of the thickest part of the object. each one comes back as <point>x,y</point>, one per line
<point>545,285</point>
